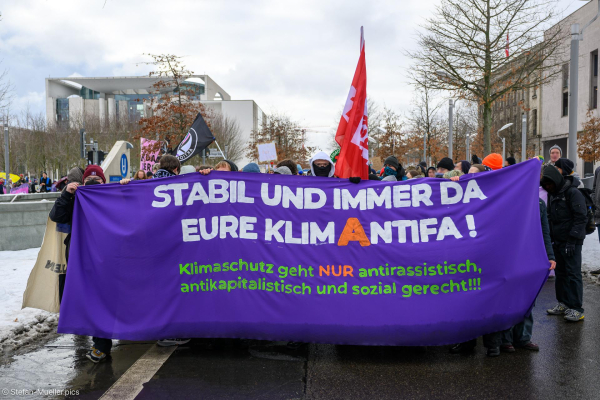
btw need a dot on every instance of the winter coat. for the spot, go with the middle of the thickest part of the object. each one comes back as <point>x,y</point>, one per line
<point>546,230</point>
<point>48,186</point>
<point>62,213</point>
<point>567,212</point>
<point>597,195</point>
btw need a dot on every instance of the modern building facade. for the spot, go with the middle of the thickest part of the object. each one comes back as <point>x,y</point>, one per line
<point>555,105</point>
<point>108,100</point>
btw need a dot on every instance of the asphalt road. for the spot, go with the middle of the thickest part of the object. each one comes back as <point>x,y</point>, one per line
<point>568,366</point>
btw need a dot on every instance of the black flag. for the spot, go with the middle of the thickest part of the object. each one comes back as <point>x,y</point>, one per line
<point>197,139</point>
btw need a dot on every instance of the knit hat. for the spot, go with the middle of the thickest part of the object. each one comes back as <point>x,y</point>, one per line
<point>494,161</point>
<point>392,161</point>
<point>234,168</point>
<point>94,170</point>
<point>282,171</point>
<point>187,169</point>
<point>555,147</point>
<point>465,166</point>
<point>565,165</point>
<point>511,160</point>
<point>75,175</point>
<point>446,163</point>
<point>252,167</point>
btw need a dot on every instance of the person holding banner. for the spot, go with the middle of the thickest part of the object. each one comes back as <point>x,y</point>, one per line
<point>320,165</point>
<point>62,213</point>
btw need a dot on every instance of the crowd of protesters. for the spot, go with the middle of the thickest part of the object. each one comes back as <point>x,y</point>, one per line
<point>564,214</point>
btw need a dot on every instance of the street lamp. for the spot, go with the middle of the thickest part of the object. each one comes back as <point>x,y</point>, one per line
<point>504,139</point>
<point>576,36</point>
<point>523,137</point>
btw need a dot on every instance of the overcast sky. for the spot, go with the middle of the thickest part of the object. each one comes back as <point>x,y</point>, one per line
<point>295,57</point>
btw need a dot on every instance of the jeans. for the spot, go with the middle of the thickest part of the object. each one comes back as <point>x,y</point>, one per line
<point>520,334</point>
<point>569,282</point>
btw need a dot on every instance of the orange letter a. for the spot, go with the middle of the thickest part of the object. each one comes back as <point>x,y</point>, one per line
<point>353,231</point>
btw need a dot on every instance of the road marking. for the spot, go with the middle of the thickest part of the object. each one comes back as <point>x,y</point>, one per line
<point>131,383</point>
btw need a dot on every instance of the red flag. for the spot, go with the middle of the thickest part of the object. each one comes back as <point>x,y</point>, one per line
<point>352,134</point>
<point>506,51</point>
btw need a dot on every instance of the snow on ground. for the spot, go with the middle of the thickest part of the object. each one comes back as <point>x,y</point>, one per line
<point>19,327</point>
<point>591,252</point>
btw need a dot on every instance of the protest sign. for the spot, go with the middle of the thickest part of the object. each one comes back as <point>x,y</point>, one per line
<point>266,152</point>
<point>422,262</point>
<point>147,156</point>
<point>23,189</point>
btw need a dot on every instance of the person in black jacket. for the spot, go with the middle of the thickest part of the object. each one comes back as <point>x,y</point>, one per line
<point>567,215</point>
<point>62,213</point>
<point>45,183</point>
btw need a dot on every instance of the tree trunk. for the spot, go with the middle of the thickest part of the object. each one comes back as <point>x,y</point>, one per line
<point>487,126</point>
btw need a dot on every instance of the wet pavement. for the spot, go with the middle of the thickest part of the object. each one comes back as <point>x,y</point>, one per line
<point>567,366</point>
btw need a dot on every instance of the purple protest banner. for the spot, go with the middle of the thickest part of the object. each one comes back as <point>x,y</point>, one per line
<point>23,189</point>
<point>423,262</point>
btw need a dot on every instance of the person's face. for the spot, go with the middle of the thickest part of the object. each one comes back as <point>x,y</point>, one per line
<point>92,178</point>
<point>554,155</point>
<point>457,167</point>
<point>431,173</point>
<point>388,165</point>
<point>441,170</point>
<point>141,174</point>
<point>549,187</point>
<point>44,175</point>
<point>222,169</point>
<point>321,163</point>
<point>473,170</point>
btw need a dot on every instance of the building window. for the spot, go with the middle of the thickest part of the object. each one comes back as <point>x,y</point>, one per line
<point>62,110</point>
<point>534,121</point>
<point>565,104</point>
<point>594,79</point>
<point>565,76</point>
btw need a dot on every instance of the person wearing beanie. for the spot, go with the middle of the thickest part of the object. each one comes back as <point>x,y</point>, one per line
<point>493,161</point>
<point>187,169</point>
<point>94,172</point>
<point>392,167</point>
<point>510,161</point>
<point>234,167</point>
<point>567,215</point>
<point>62,213</point>
<point>463,166</point>
<point>446,164</point>
<point>555,154</point>
<point>75,175</point>
<point>291,164</point>
<point>252,167</point>
<point>282,171</point>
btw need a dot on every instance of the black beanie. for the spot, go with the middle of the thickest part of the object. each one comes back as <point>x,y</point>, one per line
<point>446,163</point>
<point>393,161</point>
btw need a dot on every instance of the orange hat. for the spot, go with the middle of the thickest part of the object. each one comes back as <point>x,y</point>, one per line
<point>494,161</point>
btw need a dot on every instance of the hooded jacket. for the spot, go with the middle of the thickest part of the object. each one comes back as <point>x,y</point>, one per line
<point>567,213</point>
<point>234,168</point>
<point>321,155</point>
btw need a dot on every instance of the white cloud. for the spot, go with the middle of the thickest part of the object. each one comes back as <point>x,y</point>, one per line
<point>299,56</point>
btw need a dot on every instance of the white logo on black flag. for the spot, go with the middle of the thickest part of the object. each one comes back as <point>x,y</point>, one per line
<point>197,139</point>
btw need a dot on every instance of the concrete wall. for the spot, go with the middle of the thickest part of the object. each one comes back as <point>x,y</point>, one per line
<point>23,223</point>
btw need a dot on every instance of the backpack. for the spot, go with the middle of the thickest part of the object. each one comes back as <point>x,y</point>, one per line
<point>590,226</point>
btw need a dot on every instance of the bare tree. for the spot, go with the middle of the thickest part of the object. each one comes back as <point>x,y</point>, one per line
<point>228,133</point>
<point>462,50</point>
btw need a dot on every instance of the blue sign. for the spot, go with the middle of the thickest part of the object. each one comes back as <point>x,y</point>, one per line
<point>114,178</point>
<point>124,166</point>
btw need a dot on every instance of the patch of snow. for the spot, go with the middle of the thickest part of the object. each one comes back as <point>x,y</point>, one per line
<point>19,326</point>
<point>591,253</point>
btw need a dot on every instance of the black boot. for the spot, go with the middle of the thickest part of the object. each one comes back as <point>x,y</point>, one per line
<point>464,347</point>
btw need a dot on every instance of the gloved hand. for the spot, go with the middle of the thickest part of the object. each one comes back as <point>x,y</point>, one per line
<point>570,249</point>
<point>354,179</point>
